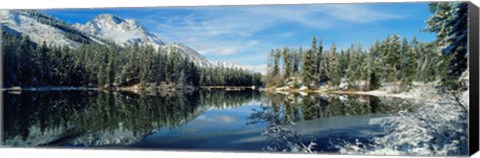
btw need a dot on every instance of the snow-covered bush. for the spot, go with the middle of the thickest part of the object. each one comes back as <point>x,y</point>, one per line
<point>286,139</point>
<point>438,128</point>
<point>284,136</point>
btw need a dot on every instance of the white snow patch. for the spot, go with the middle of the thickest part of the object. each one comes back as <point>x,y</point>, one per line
<point>37,31</point>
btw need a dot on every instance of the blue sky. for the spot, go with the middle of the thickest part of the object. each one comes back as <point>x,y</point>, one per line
<point>245,34</point>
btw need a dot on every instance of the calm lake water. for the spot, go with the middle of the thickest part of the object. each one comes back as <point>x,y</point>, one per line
<point>202,120</point>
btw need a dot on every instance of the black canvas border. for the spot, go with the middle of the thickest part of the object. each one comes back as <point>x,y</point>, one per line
<point>473,42</point>
<point>1,85</point>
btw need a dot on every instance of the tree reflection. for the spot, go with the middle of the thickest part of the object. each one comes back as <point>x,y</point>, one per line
<point>83,117</point>
<point>281,113</point>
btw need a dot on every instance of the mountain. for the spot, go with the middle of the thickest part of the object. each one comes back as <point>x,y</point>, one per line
<point>121,31</point>
<point>186,51</point>
<point>127,32</point>
<point>103,29</point>
<point>41,27</point>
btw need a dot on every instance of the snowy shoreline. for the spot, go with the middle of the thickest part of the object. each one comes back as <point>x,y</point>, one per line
<point>419,91</point>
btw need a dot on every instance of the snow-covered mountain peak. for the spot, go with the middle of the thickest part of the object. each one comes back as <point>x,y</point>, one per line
<point>103,29</point>
<point>41,27</point>
<point>121,31</point>
<point>109,18</point>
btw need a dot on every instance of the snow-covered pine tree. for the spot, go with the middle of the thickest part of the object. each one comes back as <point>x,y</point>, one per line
<point>457,45</point>
<point>287,63</point>
<point>393,59</point>
<point>334,66</point>
<point>309,66</point>
<point>404,63</point>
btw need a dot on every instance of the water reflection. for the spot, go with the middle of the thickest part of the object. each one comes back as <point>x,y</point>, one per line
<point>92,118</point>
<point>298,108</point>
<point>98,118</point>
<point>299,124</point>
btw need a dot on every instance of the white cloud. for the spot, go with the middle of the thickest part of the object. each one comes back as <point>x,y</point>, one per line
<point>257,68</point>
<point>359,13</point>
<point>228,30</point>
<point>253,43</point>
<point>226,51</point>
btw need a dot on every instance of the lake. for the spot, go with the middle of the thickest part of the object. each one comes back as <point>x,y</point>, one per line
<point>202,120</point>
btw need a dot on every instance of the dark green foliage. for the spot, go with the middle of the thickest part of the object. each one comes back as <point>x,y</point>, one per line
<point>334,66</point>
<point>287,62</point>
<point>92,65</point>
<point>390,60</point>
<point>310,62</point>
<point>309,68</point>
<point>374,81</point>
<point>457,49</point>
<point>449,23</point>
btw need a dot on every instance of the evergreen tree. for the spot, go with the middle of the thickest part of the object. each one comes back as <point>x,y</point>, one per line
<point>309,69</point>
<point>411,64</point>
<point>297,58</point>
<point>276,68</point>
<point>372,68</point>
<point>110,68</point>
<point>457,45</point>
<point>287,60</point>
<point>404,63</point>
<point>333,68</point>
<point>393,59</point>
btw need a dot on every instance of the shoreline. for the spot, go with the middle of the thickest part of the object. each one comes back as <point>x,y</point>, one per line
<point>132,88</point>
<point>419,91</point>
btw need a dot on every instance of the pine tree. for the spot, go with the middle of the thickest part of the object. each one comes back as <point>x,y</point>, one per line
<point>297,58</point>
<point>24,62</point>
<point>393,59</point>
<point>276,68</point>
<point>449,23</point>
<point>404,63</point>
<point>287,60</point>
<point>457,46</point>
<point>44,65</point>
<point>110,69</point>
<point>411,64</point>
<point>342,64</point>
<point>320,62</point>
<point>333,66</point>
<point>372,68</point>
<point>309,69</point>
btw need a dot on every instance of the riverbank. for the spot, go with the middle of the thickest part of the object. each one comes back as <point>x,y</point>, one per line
<point>135,88</point>
<point>418,91</point>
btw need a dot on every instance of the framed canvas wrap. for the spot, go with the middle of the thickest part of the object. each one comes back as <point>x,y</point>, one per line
<point>342,79</point>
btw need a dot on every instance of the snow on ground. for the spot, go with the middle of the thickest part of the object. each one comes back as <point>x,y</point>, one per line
<point>439,128</point>
<point>436,129</point>
<point>418,91</point>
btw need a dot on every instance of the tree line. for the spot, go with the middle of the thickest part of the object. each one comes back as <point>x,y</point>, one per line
<point>395,59</point>
<point>28,64</point>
